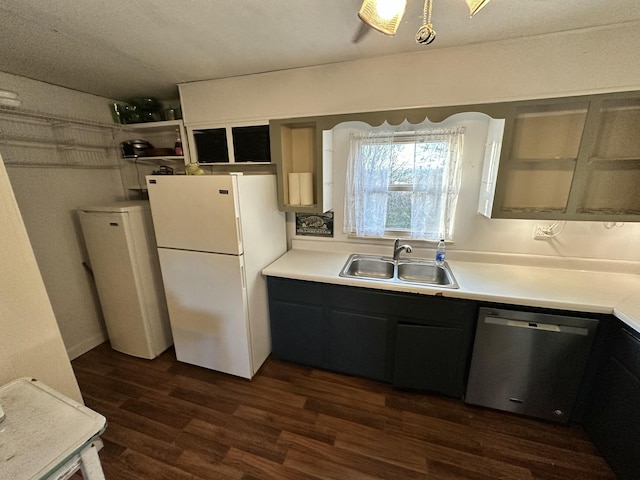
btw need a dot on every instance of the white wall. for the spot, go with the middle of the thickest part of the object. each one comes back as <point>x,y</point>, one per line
<point>30,343</point>
<point>48,198</point>
<point>579,62</point>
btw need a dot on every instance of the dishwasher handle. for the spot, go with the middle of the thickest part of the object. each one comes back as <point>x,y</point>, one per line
<point>547,327</point>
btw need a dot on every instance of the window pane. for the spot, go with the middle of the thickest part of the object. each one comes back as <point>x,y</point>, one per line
<point>398,211</point>
<point>402,164</point>
<point>409,161</point>
<point>417,169</point>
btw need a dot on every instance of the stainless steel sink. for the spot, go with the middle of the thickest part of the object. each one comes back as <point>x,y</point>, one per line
<point>384,269</point>
<point>423,273</point>
<point>370,267</point>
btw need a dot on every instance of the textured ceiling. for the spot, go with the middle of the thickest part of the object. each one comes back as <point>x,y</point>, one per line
<point>127,48</point>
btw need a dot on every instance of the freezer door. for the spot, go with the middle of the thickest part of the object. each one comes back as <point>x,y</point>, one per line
<point>112,254</point>
<point>207,302</point>
<point>195,212</point>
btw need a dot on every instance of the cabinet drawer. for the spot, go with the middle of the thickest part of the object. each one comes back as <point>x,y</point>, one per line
<point>413,306</point>
<point>297,291</point>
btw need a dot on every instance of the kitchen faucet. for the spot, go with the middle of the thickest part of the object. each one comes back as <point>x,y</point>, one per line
<point>397,248</point>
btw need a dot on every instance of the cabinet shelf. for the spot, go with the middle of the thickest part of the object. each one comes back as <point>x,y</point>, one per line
<point>634,159</point>
<point>542,161</point>
<point>163,126</point>
<point>243,164</point>
<point>158,158</point>
<point>609,211</point>
<point>162,135</point>
<point>303,145</point>
<point>532,210</point>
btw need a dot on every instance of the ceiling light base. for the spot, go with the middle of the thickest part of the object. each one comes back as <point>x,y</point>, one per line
<point>426,34</point>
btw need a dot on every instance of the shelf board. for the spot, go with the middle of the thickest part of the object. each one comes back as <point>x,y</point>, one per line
<point>542,160</point>
<point>614,159</point>
<point>609,211</point>
<point>221,164</point>
<point>162,157</point>
<point>533,210</point>
<point>162,125</point>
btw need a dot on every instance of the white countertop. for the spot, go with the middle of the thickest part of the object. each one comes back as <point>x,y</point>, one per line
<point>550,287</point>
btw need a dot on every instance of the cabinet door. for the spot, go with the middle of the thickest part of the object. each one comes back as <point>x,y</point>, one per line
<point>358,344</point>
<point>538,161</point>
<point>613,417</point>
<point>431,358</point>
<point>610,173</point>
<point>296,318</point>
<point>296,333</point>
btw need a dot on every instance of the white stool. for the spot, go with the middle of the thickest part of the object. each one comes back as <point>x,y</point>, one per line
<point>46,435</point>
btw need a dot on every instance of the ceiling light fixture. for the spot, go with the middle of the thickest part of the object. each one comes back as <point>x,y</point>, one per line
<point>426,34</point>
<point>383,15</point>
<point>476,5</point>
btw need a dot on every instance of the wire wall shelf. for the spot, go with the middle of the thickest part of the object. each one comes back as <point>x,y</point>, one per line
<point>35,139</point>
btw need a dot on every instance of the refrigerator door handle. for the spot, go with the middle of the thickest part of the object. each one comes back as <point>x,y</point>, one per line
<point>239,230</point>
<point>242,276</point>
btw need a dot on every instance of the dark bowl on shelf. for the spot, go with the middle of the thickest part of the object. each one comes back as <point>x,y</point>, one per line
<point>133,148</point>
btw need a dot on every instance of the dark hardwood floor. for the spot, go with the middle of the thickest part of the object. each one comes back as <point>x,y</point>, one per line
<point>170,420</point>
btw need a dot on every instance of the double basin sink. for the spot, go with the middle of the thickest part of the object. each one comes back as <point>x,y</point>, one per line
<point>385,269</point>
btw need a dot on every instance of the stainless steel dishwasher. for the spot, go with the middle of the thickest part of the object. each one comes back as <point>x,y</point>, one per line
<point>529,363</point>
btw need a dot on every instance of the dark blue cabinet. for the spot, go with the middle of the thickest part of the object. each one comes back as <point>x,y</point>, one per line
<point>418,342</point>
<point>612,418</point>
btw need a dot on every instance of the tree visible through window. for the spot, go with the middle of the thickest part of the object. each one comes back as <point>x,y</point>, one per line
<point>403,184</point>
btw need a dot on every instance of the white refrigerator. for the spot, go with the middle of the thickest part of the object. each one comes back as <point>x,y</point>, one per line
<point>124,261</point>
<point>215,234</point>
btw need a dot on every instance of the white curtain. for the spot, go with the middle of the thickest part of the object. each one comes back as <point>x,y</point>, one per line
<point>434,175</point>
<point>367,184</point>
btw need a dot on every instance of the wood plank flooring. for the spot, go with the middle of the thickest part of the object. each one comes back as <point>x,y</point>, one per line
<point>169,420</point>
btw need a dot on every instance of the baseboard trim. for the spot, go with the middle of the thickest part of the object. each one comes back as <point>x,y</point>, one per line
<point>88,344</point>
